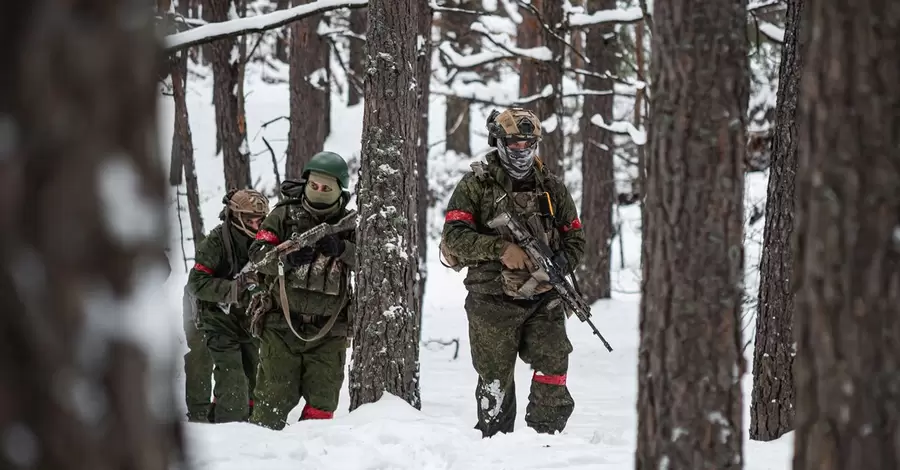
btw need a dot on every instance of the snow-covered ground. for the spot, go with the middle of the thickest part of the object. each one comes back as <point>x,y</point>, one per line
<point>390,434</point>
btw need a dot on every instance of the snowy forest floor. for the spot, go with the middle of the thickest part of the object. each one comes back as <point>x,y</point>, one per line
<point>390,434</point>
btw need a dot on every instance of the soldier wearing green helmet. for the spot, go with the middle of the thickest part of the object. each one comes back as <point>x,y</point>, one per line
<point>315,288</point>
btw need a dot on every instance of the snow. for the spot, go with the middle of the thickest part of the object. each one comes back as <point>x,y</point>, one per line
<point>622,15</point>
<point>259,23</point>
<point>639,136</point>
<point>771,31</point>
<point>390,434</point>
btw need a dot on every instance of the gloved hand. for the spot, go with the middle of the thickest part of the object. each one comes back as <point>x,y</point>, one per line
<point>514,257</point>
<point>561,262</point>
<point>301,257</point>
<point>331,245</point>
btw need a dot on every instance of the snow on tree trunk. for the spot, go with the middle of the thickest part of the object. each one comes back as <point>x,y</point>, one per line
<point>386,327</point>
<point>86,363</point>
<point>599,193</point>
<point>423,82</point>
<point>690,361</point>
<point>183,145</point>
<point>772,399</point>
<point>309,90</point>
<point>230,130</point>
<point>847,241</point>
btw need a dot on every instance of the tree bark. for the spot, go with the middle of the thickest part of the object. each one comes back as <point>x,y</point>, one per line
<point>423,87</point>
<point>183,146</point>
<point>847,241</point>
<point>231,135</point>
<point>549,109</point>
<point>357,53</point>
<point>457,122</point>
<point>772,399</point>
<point>309,90</point>
<point>282,42</point>
<point>83,234</point>
<point>386,335</point>
<point>597,164</point>
<point>690,361</point>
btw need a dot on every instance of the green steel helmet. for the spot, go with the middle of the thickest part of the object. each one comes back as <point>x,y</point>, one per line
<point>332,164</point>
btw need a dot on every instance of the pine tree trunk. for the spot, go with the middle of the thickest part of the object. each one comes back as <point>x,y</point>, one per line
<point>690,361</point>
<point>357,53</point>
<point>83,234</point>
<point>549,109</point>
<point>386,331</point>
<point>230,135</point>
<point>847,241</point>
<point>423,87</point>
<point>599,193</point>
<point>772,402</point>
<point>309,90</point>
<point>183,146</point>
<point>282,43</point>
<point>457,122</point>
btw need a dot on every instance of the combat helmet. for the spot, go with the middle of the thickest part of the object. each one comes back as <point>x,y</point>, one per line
<point>246,204</point>
<point>330,164</point>
<point>513,124</point>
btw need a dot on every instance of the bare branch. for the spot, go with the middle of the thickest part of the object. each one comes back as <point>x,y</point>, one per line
<point>553,33</point>
<point>256,24</point>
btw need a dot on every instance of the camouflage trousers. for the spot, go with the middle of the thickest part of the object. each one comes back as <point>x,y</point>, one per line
<point>500,329</point>
<point>235,356</point>
<point>290,368</point>
<point>198,367</point>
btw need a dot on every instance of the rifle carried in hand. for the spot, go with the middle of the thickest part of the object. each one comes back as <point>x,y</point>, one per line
<point>302,240</point>
<point>542,257</point>
<point>295,243</point>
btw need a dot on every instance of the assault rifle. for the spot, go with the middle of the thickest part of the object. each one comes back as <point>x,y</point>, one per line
<point>542,257</point>
<point>296,243</point>
<point>302,240</point>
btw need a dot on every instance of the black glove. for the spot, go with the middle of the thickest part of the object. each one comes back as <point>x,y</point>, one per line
<point>561,262</point>
<point>331,245</point>
<point>301,257</point>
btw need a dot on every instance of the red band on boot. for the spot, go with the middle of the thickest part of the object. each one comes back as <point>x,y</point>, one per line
<point>315,413</point>
<point>549,379</point>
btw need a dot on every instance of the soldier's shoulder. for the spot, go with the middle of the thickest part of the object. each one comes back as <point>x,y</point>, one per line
<point>215,235</point>
<point>555,181</point>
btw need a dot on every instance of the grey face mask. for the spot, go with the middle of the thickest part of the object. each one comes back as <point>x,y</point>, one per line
<point>517,163</point>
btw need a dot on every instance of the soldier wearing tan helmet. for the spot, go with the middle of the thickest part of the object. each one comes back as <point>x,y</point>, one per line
<point>512,313</point>
<point>222,301</point>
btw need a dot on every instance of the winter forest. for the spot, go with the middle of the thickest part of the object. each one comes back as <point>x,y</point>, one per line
<point>735,172</point>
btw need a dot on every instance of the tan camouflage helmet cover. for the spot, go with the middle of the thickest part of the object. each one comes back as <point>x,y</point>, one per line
<point>518,123</point>
<point>249,201</point>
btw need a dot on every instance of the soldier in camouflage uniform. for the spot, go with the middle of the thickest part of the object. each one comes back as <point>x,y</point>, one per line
<point>510,312</point>
<point>223,299</point>
<point>306,357</point>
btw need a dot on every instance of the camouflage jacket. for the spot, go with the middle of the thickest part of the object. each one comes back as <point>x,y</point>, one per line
<point>479,198</point>
<point>211,279</point>
<point>319,289</point>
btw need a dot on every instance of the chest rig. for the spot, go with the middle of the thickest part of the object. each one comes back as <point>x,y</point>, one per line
<point>326,275</point>
<point>534,207</point>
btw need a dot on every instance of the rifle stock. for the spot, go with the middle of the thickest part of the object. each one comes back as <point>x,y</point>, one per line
<point>542,257</point>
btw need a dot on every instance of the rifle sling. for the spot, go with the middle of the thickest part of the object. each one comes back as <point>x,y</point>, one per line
<point>282,294</point>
